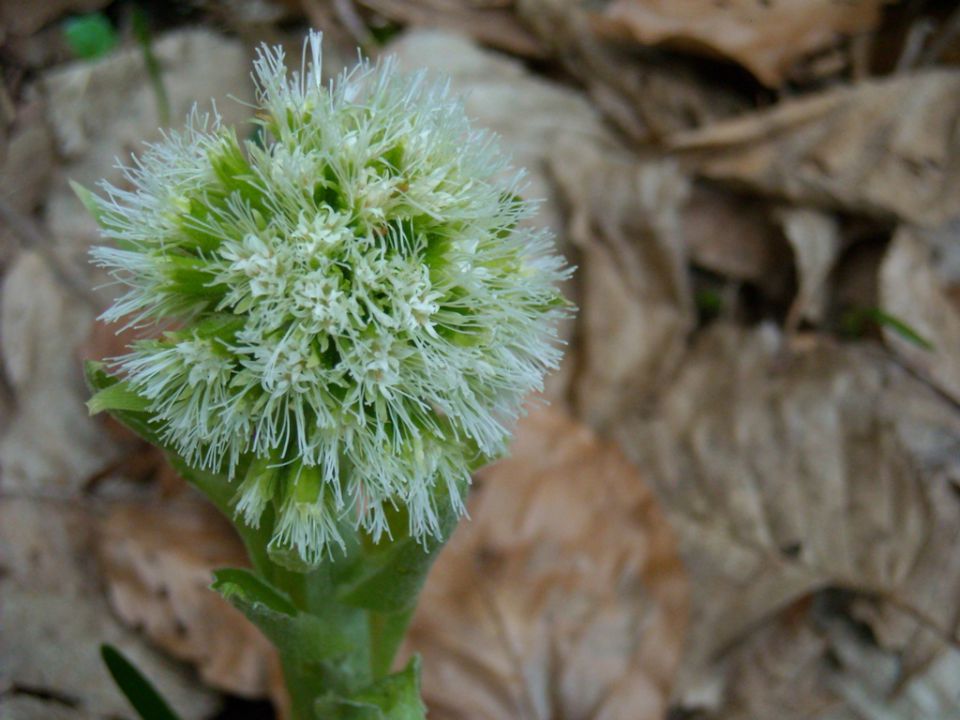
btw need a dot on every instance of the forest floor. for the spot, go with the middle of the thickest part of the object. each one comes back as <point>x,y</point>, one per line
<point>743,502</point>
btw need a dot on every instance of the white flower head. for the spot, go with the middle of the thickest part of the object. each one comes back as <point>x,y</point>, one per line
<point>360,309</point>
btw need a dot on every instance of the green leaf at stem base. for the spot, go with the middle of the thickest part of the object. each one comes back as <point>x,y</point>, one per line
<point>394,697</point>
<point>330,643</point>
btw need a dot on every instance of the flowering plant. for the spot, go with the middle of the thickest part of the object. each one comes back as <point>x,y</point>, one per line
<point>347,315</point>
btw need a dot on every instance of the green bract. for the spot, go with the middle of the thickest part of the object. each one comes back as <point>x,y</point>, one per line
<point>359,311</point>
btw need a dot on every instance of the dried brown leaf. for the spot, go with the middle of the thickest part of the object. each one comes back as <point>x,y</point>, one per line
<point>636,308</point>
<point>26,165</point>
<point>54,618</point>
<point>778,671</point>
<point>886,148</point>
<point>27,707</point>
<point>23,17</point>
<point>767,38</point>
<point>816,662</point>
<point>648,98</point>
<point>27,159</point>
<point>157,561</point>
<point>815,239</point>
<point>492,22</point>
<point>562,596</point>
<point>787,473</point>
<point>52,446</point>
<point>732,236</point>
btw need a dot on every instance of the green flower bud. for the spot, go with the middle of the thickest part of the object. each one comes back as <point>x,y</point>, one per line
<point>360,310</point>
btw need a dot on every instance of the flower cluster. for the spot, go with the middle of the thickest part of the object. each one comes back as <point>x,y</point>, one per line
<point>357,310</point>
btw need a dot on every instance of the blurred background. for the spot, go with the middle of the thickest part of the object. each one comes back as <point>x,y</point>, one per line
<point>743,502</point>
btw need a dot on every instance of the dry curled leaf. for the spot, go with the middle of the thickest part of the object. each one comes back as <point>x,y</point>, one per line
<point>911,292</point>
<point>647,97</point>
<point>732,236</point>
<point>28,707</point>
<point>815,239</point>
<point>767,38</point>
<point>562,596</point>
<point>54,618</point>
<point>51,446</point>
<point>886,148</point>
<point>492,22</point>
<point>769,675</point>
<point>815,662</point>
<point>788,473</point>
<point>157,561</point>
<point>23,17</point>
<point>818,661</point>
<point>26,159</point>
<point>635,299</point>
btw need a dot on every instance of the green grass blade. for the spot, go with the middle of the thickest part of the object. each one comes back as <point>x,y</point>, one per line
<point>144,698</point>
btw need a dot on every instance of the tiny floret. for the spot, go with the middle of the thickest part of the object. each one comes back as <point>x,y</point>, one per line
<point>345,312</point>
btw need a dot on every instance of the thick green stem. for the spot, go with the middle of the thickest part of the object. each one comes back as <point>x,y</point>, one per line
<point>345,619</point>
<point>386,633</point>
<point>302,691</point>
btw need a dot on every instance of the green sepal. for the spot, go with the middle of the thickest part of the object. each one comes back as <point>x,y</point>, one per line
<point>194,230</point>
<point>111,394</point>
<point>89,201</point>
<point>218,326</point>
<point>394,697</point>
<point>146,701</point>
<point>119,396</point>
<point>136,420</point>
<point>101,213</point>
<point>232,168</point>
<point>191,276</point>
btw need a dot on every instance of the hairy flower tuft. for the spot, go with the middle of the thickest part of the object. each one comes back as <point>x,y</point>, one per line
<point>359,311</point>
